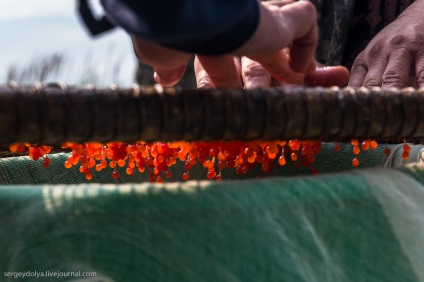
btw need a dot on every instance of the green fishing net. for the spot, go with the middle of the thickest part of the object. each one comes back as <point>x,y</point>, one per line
<point>345,224</point>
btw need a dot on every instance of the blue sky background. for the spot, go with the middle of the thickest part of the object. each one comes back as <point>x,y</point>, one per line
<point>33,29</point>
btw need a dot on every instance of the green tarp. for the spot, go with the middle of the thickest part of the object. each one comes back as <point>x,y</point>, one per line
<point>342,225</point>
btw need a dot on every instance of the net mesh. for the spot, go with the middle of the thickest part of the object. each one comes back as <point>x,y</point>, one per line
<point>362,224</point>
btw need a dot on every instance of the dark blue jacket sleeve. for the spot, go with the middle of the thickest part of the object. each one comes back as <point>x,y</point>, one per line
<point>208,27</point>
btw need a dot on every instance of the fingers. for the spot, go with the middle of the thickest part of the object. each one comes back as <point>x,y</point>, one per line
<point>328,76</point>
<point>292,24</point>
<point>382,72</point>
<point>359,71</point>
<point>398,69</point>
<point>419,68</point>
<point>305,36</point>
<point>277,65</point>
<point>169,64</point>
<point>223,71</point>
<point>254,74</point>
<point>368,71</point>
<point>202,78</point>
<point>374,76</point>
<point>281,24</point>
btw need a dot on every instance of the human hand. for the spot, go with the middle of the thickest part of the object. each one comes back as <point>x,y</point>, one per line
<point>251,74</point>
<point>280,25</point>
<point>169,64</point>
<point>395,56</point>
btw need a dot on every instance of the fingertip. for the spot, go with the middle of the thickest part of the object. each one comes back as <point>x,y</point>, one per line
<point>156,77</point>
<point>164,81</point>
<point>169,77</point>
<point>328,76</point>
<point>221,71</point>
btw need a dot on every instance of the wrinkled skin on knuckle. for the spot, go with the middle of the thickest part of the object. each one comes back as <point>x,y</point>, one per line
<point>392,77</point>
<point>372,82</point>
<point>253,70</point>
<point>204,83</point>
<point>420,79</point>
<point>419,70</point>
<point>399,41</point>
<point>202,79</point>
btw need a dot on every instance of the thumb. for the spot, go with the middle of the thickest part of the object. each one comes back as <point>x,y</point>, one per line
<point>327,76</point>
<point>169,64</point>
<point>169,77</point>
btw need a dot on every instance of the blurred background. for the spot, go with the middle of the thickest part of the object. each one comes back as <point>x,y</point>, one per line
<point>46,40</point>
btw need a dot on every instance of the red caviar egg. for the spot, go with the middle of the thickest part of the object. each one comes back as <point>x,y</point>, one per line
<point>355,162</point>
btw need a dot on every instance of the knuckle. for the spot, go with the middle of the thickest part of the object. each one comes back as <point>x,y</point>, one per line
<point>372,82</point>
<point>392,77</point>
<point>204,83</point>
<point>410,41</point>
<point>420,78</point>
<point>254,70</point>
<point>419,63</point>
<point>309,8</point>
<point>198,68</point>
<point>398,41</point>
<point>374,50</point>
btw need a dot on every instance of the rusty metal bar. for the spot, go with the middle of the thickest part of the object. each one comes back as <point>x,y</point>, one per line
<point>52,114</point>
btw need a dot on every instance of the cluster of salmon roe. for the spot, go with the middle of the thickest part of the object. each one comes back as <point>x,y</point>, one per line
<point>156,158</point>
<point>365,146</point>
<point>34,152</point>
<point>406,150</point>
<point>371,144</point>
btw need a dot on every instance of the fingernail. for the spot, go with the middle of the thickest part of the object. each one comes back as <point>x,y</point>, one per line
<point>156,77</point>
